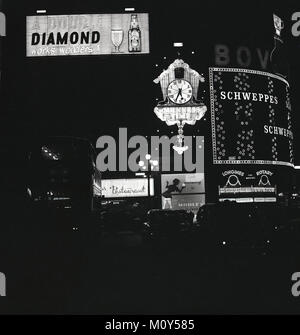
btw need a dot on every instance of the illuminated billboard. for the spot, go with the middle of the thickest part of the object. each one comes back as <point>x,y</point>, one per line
<point>250,117</point>
<point>89,34</point>
<point>183,191</point>
<point>247,183</point>
<point>123,188</point>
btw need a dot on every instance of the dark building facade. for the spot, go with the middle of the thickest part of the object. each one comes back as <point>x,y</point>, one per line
<point>248,90</point>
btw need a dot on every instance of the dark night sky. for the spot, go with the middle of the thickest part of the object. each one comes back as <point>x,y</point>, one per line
<point>95,95</point>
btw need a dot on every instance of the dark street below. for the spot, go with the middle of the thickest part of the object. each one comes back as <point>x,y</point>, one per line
<point>96,273</point>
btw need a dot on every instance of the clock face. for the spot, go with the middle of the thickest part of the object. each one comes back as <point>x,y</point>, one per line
<point>180,91</point>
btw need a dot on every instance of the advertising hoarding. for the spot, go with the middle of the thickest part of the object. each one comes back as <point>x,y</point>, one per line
<point>123,188</point>
<point>242,183</point>
<point>183,191</point>
<point>250,117</point>
<point>88,34</point>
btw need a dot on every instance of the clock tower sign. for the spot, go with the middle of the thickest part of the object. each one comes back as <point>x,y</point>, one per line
<point>179,86</point>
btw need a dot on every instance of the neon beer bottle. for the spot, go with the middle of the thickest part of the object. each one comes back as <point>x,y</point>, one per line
<point>134,35</point>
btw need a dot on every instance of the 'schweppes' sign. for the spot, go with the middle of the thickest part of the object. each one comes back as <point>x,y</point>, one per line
<point>91,34</point>
<point>251,117</point>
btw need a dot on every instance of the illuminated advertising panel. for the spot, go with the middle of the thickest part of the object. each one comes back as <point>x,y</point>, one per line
<point>183,191</point>
<point>89,34</point>
<point>242,183</point>
<point>250,117</point>
<point>123,188</point>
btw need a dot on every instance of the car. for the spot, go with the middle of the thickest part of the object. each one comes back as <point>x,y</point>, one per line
<point>167,224</point>
<point>242,226</point>
<point>120,221</point>
<point>123,223</point>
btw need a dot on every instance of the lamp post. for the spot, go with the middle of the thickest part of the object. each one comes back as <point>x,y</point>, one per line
<point>148,157</point>
<point>148,167</point>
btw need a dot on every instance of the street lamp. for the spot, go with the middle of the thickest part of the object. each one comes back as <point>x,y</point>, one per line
<point>148,157</point>
<point>150,165</point>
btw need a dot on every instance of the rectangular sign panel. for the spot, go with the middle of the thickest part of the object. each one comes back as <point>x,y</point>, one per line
<point>89,34</point>
<point>123,188</point>
<point>250,117</point>
<point>183,191</point>
<point>247,181</point>
<point>191,202</point>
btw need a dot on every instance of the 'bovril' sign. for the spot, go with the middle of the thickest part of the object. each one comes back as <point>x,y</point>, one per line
<point>241,56</point>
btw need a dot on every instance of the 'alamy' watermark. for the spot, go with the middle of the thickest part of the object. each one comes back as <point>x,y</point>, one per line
<point>2,285</point>
<point>158,147</point>
<point>2,24</point>
<point>296,286</point>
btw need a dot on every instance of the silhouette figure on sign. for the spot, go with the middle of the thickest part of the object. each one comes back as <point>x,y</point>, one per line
<point>167,195</point>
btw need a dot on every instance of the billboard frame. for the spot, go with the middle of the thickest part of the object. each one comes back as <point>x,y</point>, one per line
<point>213,121</point>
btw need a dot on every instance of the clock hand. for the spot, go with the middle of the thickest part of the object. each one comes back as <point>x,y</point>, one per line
<point>178,95</point>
